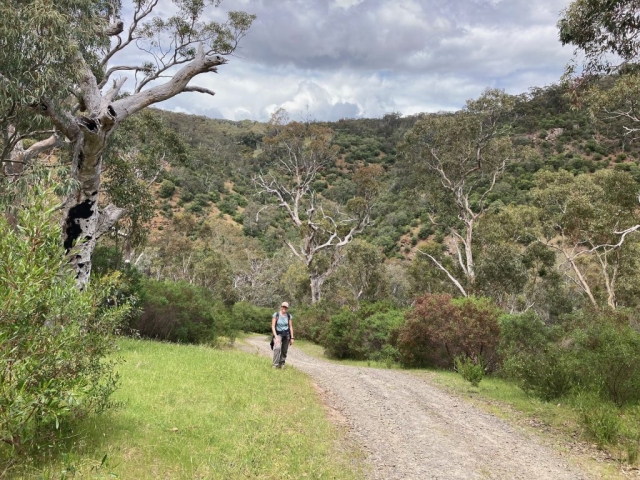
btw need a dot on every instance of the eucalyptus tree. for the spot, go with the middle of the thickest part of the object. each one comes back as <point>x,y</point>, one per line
<point>591,221</point>
<point>606,36</point>
<point>169,54</point>
<point>461,156</point>
<point>361,277</point>
<point>299,152</point>
<point>39,42</point>
<point>604,31</point>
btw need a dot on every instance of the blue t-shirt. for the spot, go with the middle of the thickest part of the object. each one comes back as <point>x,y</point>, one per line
<point>282,322</point>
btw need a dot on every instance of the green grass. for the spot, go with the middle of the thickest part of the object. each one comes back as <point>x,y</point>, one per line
<point>195,412</point>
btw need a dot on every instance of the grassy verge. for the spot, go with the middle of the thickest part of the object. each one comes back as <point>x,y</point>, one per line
<point>195,412</point>
<point>558,422</point>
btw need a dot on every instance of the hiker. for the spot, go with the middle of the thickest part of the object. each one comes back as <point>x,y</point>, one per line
<point>282,330</point>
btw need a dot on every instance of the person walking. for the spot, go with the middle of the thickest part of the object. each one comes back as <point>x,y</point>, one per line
<point>282,329</point>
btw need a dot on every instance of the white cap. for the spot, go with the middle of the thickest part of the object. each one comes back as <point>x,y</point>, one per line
<point>285,304</point>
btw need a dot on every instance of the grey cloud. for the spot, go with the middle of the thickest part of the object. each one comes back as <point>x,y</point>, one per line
<point>379,56</point>
<point>383,34</point>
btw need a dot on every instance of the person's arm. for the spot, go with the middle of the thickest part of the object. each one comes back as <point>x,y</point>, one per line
<point>274,319</point>
<point>291,329</point>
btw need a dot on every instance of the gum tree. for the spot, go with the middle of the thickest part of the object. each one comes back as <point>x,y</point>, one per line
<point>461,156</point>
<point>169,54</point>
<point>589,220</point>
<point>299,151</point>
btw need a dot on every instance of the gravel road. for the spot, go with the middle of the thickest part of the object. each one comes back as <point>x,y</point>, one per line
<point>413,430</point>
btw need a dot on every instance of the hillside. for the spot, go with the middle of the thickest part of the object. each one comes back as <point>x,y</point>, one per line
<point>206,203</point>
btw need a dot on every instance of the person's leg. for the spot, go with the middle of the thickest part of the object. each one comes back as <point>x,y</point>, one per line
<point>283,350</point>
<point>277,351</point>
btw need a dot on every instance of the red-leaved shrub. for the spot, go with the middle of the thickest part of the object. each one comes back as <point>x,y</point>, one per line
<point>439,329</point>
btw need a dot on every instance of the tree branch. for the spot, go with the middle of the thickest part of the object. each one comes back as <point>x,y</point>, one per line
<point>200,64</point>
<point>451,277</point>
<point>199,90</point>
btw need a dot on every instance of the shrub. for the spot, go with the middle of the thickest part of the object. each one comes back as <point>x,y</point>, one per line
<point>472,371</point>
<point>605,354</point>
<point>425,231</point>
<point>376,327</point>
<point>183,313</point>
<point>364,334</point>
<point>167,187</point>
<point>532,358</point>
<point>228,206</point>
<point>338,333</point>
<point>53,338</point>
<point>438,329</point>
<point>249,318</point>
<point>597,352</point>
<point>311,322</point>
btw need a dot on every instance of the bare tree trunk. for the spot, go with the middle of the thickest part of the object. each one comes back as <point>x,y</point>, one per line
<point>582,282</point>
<point>471,274</point>
<point>83,223</point>
<point>316,287</point>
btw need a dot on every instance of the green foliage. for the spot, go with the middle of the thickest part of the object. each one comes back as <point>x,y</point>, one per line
<point>167,187</point>
<point>338,333</point>
<point>250,318</point>
<point>598,352</point>
<point>470,370</point>
<point>39,43</point>
<point>605,350</point>
<point>598,29</point>
<point>439,328</point>
<point>366,334</point>
<point>532,358</point>
<point>311,322</point>
<point>53,338</point>
<point>183,313</point>
<point>599,418</point>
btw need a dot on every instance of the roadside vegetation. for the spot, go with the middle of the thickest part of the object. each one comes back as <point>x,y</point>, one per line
<point>510,254</point>
<point>197,412</point>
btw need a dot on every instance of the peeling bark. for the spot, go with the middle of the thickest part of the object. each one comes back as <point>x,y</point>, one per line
<point>83,222</point>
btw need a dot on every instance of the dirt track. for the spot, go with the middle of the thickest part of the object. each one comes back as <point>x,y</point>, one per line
<point>413,430</point>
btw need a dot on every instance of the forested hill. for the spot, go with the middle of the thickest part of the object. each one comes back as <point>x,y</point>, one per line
<point>206,202</point>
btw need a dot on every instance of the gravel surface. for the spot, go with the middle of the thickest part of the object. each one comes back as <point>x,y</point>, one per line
<point>413,430</point>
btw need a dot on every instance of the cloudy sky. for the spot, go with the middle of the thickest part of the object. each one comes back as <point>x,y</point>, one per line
<point>365,58</point>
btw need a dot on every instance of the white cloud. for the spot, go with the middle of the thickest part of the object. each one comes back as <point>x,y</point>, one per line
<point>345,58</point>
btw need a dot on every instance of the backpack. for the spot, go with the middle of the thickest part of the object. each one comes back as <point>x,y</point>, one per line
<point>274,338</point>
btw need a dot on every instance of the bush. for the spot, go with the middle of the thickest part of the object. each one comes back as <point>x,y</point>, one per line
<point>365,334</point>
<point>187,196</point>
<point>532,358</point>
<point>311,323</point>
<point>605,355</point>
<point>183,313</point>
<point>438,329</point>
<point>167,187</point>
<point>53,338</point>
<point>376,326</point>
<point>249,318</point>
<point>338,334</point>
<point>598,352</point>
<point>470,370</point>
<point>425,231</point>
